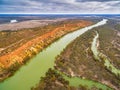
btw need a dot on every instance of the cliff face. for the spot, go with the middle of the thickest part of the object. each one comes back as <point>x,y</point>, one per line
<point>35,45</point>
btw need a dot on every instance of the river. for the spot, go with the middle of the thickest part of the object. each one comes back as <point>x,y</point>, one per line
<point>29,75</point>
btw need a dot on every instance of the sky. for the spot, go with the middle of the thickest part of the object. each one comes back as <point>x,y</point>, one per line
<point>60,6</point>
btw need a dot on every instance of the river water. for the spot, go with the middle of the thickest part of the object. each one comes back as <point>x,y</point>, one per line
<point>29,75</point>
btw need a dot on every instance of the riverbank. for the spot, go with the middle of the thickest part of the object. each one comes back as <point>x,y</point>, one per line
<point>77,60</point>
<point>55,80</point>
<point>10,62</point>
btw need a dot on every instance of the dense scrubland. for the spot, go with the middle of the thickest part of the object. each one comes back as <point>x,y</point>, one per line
<point>110,44</point>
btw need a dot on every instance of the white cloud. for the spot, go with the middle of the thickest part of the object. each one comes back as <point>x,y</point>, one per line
<point>61,6</point>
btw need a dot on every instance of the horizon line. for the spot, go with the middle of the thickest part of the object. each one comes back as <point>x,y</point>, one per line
<point>64,13</point>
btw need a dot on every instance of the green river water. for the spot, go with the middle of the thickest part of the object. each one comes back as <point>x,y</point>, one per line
<point>29,75</point>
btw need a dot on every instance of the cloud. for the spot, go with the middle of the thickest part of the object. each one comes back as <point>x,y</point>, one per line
<point>60,6</point>
<point>95,0</point>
